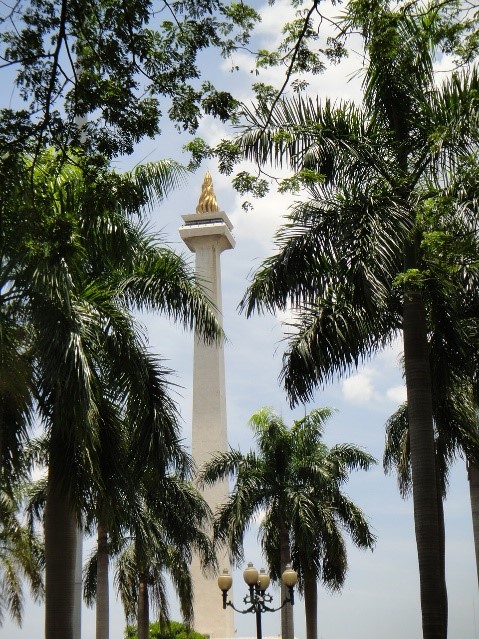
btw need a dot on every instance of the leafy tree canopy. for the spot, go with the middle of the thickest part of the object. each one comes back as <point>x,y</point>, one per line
<point>317,36</point>
<point>117,64</point>
<point>105,73</point>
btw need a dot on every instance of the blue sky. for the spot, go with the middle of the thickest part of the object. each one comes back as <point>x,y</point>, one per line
<point>381,595</point>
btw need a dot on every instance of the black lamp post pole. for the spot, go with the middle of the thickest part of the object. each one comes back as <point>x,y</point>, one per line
<point>259,631</point>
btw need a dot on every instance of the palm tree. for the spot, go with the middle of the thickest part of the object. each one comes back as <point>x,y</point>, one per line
<point>455,426</point>
<point>168,526</point>
<point>16,405</point>
<point>318,548</point>
<point>111,506</point>
<point>296,481</point>
<point>351,259</point>
<point>21,558</point>
<point>461,436</point>
<point>75,264</point>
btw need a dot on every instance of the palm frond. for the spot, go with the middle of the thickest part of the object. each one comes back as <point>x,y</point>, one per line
<point>331,338</point>
<point>155,180</point>
<point>161,280</point>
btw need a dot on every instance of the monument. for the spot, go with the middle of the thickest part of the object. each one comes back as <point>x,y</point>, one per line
<point>207,233</point>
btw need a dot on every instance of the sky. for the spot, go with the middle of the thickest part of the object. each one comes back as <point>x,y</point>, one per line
<point>380,597</point>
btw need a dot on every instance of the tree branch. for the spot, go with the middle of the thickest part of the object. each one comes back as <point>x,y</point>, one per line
<point>293,60</point>
<point>51,87</point>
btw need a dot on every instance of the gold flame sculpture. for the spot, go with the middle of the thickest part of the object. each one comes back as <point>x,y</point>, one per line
<point>207,202</point>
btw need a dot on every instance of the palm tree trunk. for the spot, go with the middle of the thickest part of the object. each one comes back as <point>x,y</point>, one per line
<point>143,609</point>
<point>473,476</point>
<point>102,592</point>
<point>78,596</point>
<point>311,604</point>
<point>442,540</point>
<point>60,559</point>
<point>287,622</point>
<point>426,511</point>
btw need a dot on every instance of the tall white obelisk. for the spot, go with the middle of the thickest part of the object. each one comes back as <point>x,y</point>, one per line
<point>207,233</point>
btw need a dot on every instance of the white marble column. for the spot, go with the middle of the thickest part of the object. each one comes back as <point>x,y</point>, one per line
<point>207,233</point>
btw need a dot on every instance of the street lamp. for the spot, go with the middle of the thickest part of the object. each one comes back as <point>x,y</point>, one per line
<point>258,599</point>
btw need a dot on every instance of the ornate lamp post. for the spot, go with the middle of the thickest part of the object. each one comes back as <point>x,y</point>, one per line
<point>257,599</point>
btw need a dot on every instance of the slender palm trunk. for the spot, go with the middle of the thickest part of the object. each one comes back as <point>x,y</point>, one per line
<point>78,596</point>
<point>60,560</point>
<point>311,604</point>
<point>473,476</point>
<point>426,511</point>
<point>102,592</point>
<point>442,541</point>
<point>287,622</point>
<point>143,608</point>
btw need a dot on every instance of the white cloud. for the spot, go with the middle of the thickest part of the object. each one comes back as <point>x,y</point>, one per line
<point>272,22</point>
<point>339,82</point>
<point>359,388</point>
<point>392,355</point>
<point>444,67</point>
<point>261,223</point>
<point>370,384</point>
<point>397,394</point>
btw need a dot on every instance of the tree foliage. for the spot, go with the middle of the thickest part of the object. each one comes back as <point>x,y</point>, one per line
<point>104,72</point>
<point>171,630</point>
<point>76,261</point>
<point>21,560</point>
<point>357,258</point>
<point>148,540</point>
<point>295,482</point>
